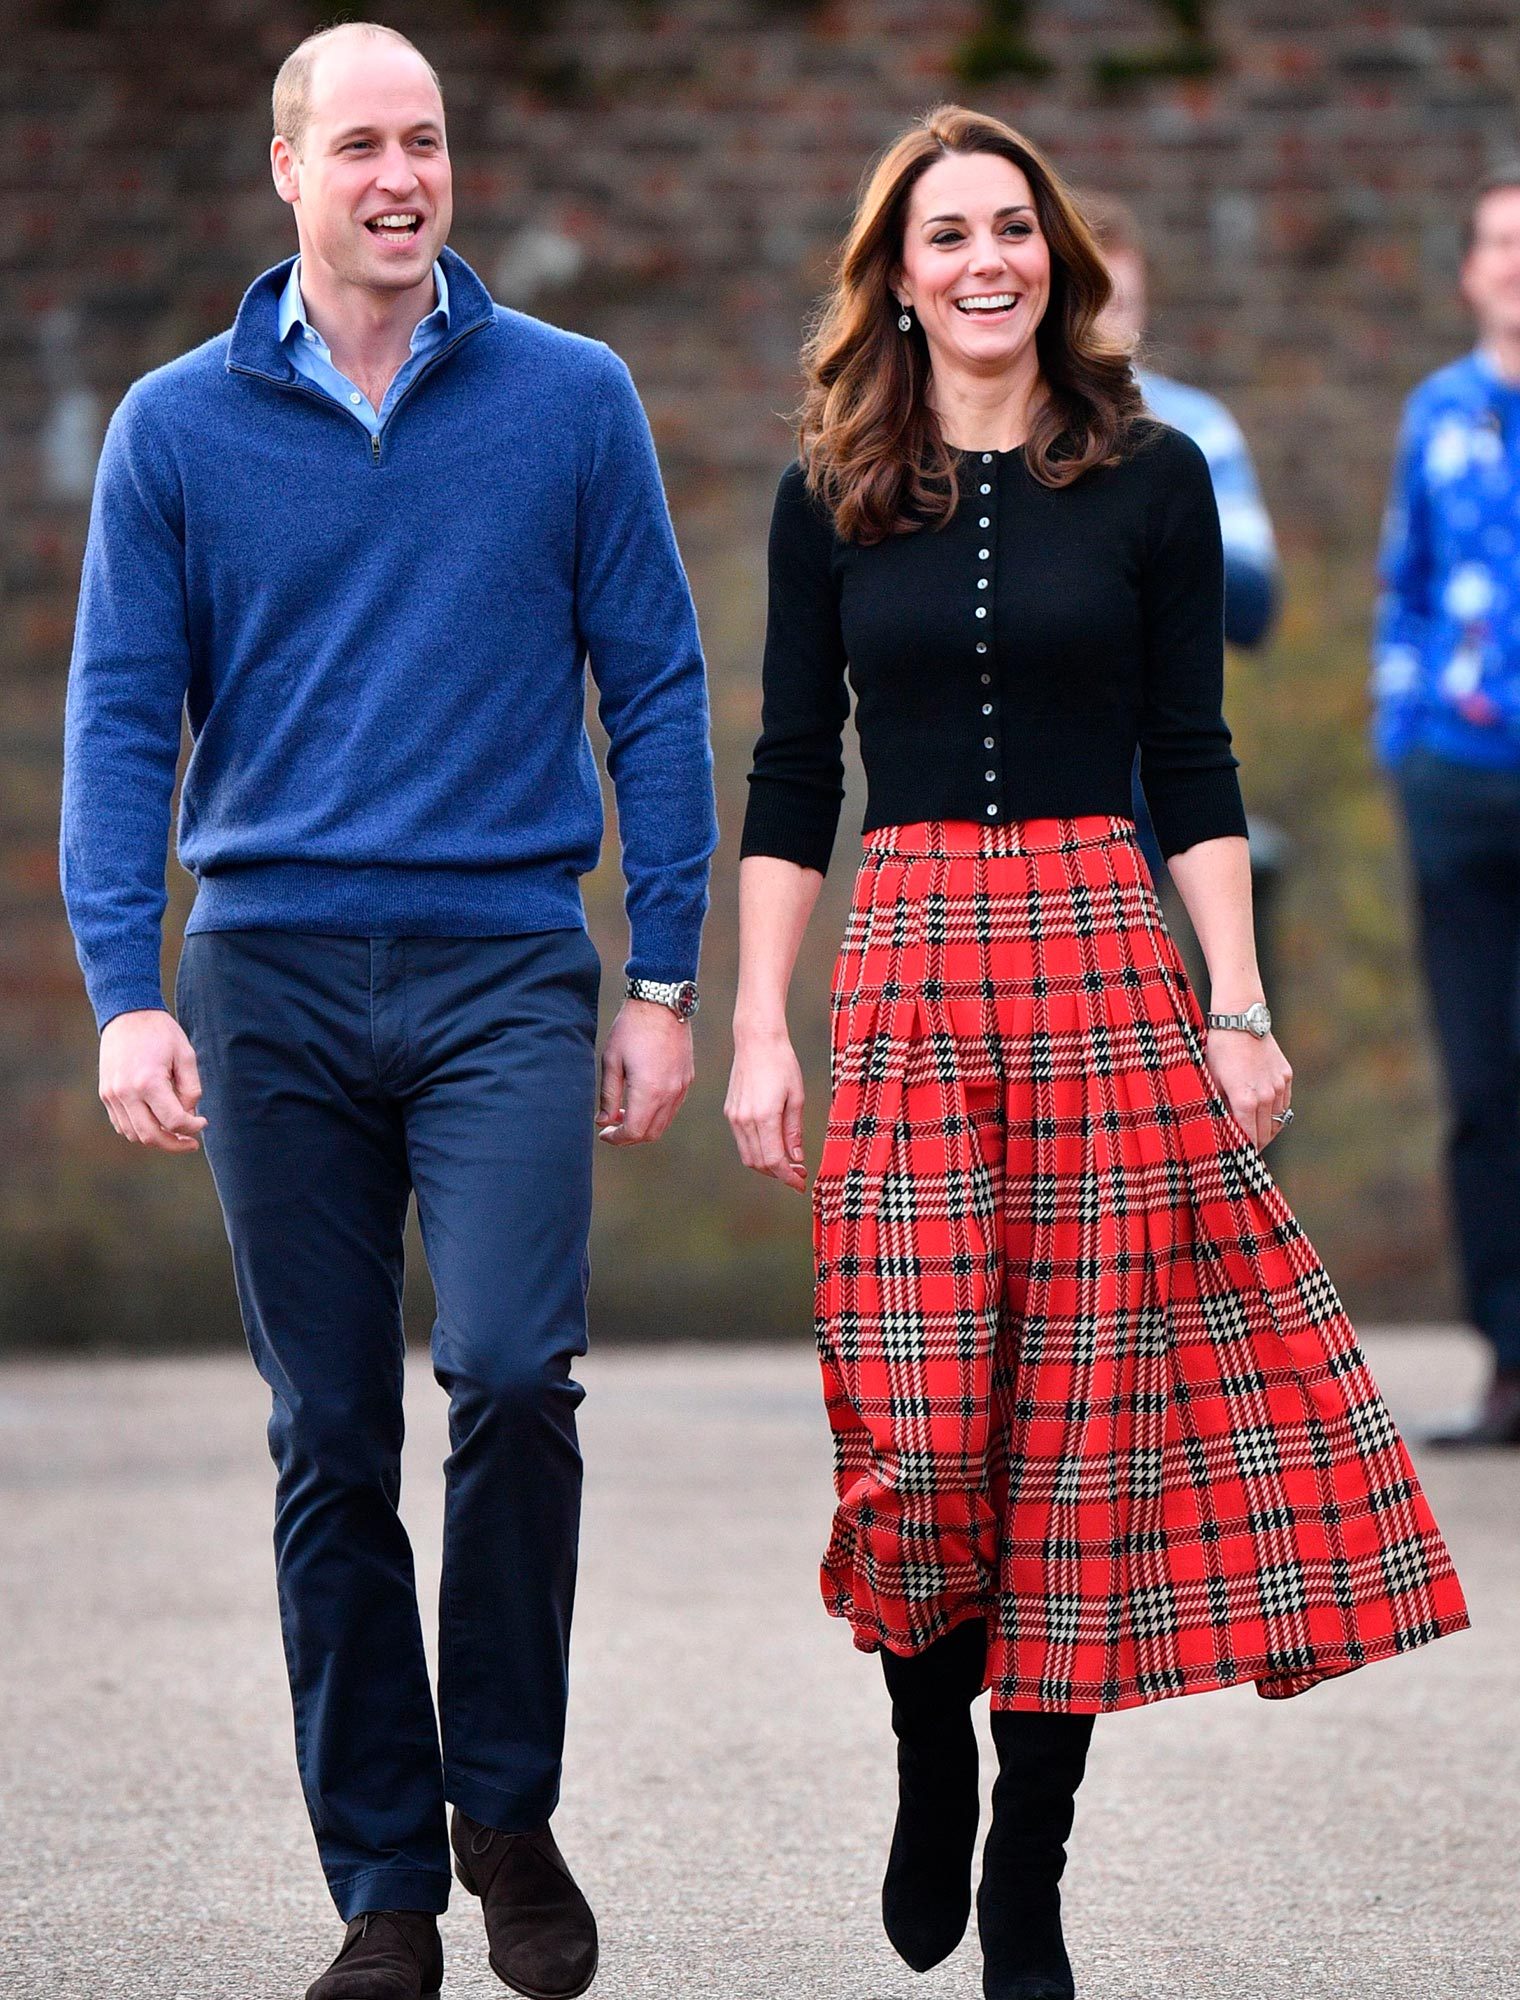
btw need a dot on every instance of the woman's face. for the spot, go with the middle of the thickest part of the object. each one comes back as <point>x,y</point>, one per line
<point>975,266</point>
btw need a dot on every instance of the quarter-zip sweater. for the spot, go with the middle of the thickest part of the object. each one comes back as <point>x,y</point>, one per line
<point>380,645</point>
<point>1006,665</point>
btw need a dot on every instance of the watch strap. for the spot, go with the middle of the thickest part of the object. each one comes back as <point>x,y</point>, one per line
<point>679,995</point>
<point>1256,1020</point>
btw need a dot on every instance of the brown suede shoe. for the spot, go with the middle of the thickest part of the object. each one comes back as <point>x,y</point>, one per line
<point>539,1927</point>
<point>386,1955</point>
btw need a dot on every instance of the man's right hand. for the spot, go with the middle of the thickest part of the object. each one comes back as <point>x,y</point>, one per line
<point>149,1082</point>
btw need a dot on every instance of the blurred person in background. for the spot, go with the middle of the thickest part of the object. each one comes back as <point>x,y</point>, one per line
<point>1103,1434</point>
<point>1446,693</point>
<point>1252,575</point>
<point>368,539</point>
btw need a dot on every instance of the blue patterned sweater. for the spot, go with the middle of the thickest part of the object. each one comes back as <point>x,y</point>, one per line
<point>1446,657</point>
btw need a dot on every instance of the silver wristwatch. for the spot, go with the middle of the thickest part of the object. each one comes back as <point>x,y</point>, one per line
<point>1256,1020</point>
<point>679,995</point>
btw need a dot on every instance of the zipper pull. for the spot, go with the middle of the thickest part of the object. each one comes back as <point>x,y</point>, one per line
<point>374,446</point>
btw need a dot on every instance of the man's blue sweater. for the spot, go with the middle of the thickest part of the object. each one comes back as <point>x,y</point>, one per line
<point>380,645</point>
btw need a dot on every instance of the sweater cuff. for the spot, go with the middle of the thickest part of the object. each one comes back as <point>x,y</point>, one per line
<point>124,990</point>
<point>790,823</point>
<point>1189,806</point>
<point>665,947</point>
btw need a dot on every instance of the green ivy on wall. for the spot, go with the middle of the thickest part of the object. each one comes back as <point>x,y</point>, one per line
<point>530,17</point>
<point>1189,52</point>
<point>1002,47</point>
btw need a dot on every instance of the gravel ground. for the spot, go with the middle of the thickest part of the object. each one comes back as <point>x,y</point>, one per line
<point>728,1793</point>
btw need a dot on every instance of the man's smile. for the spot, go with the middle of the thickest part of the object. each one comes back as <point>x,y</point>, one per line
<point>396,225</point>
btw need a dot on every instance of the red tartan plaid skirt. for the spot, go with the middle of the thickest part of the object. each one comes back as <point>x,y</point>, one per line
<point>1087,1378</point>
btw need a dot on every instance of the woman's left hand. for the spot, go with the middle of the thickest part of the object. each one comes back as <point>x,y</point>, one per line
<point>1255,1079</point>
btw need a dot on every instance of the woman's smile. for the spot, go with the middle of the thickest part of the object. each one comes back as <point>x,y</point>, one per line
<point>987,305</point>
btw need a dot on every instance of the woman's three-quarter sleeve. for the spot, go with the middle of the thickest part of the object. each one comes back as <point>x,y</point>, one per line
<point>1187,768</point>
<point>796,784</point>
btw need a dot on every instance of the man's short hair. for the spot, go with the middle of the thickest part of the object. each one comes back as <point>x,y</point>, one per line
<point>1498,180</point>
<point>292,87</point>
<point>1113,223</point>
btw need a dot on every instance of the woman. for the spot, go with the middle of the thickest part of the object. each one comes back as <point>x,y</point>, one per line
<point>1102,1430</point>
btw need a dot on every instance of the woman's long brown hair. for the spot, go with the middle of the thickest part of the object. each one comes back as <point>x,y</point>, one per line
<point>869,441</point>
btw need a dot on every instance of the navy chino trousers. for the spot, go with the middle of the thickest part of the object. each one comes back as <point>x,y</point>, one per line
<point>342,1075</point>
<point>1463,827</point>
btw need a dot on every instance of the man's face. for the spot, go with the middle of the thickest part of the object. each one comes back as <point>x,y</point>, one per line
<point>372,187</point>
<point>1491,269</point>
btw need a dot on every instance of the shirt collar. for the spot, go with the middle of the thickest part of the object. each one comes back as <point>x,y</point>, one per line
<point>293,307</point>
<point>1488,374</point>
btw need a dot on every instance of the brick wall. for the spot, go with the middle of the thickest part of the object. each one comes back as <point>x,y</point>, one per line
<point>673,179</point>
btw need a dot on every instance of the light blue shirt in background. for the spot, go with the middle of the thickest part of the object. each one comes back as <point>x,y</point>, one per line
<point>311,356</point>
<point>1250,550</point>
<point>1244,524</point>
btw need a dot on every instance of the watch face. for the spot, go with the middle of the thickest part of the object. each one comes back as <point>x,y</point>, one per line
<point>686,999</point>
<point>1258,1019</point>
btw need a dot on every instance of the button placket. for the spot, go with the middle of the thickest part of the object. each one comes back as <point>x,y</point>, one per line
<point>985,574</point>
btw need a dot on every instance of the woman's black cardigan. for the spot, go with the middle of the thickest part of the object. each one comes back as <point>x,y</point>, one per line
<point>1006,665</point>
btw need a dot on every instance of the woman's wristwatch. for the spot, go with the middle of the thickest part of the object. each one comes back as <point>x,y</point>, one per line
<point>1256,1020</point>
<point>679,995</point>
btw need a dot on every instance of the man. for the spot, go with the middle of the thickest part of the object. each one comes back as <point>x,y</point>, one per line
<point>1446,691</point>
<point>1252,584</point>
<point>1250,550</point>
<point>366,539</point>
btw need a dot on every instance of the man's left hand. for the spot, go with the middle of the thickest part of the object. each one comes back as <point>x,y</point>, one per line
<point>647,1068</point>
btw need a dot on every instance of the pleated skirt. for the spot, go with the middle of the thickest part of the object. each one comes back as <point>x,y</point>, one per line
<point>1086,1376</point>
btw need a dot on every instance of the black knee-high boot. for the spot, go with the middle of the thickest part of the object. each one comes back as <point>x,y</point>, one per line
<point>1041,1759</point>
<point>926,1894</point>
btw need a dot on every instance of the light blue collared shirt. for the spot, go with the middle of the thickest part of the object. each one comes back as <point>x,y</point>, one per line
<point>312,357</point>
<point>1245,526</point>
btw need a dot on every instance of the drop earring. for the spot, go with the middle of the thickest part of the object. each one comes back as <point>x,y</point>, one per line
<point>905,321</point>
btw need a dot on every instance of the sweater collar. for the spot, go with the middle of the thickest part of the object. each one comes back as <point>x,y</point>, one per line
<point>293,314</point>
<point>1489,377</point>
<point>255,344</point>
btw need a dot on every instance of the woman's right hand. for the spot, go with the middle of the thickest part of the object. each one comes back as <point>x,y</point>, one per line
<point>764,1107</point>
